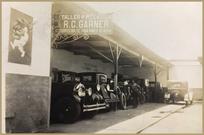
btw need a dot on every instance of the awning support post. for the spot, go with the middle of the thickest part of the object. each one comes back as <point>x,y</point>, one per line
<point>111,50</point>
<point>155,75</point>
<point>140,60</point>
<point>116,69</point>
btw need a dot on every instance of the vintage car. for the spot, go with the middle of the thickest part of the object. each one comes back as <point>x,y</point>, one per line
<point>120,93</point>
<point>144,84</point>
<point>140,89</point>
<point>156,92</point>
<point>70,99</point>
<point>178,91</point>
<point>131,92</point>
<point>98,83</point>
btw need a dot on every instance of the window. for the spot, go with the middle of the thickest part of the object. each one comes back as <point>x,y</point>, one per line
<point>87,78</point>
<point>66,78</point>
<point>152,84</point>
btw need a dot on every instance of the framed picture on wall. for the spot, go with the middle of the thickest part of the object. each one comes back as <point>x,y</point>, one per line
<point>20,38</point>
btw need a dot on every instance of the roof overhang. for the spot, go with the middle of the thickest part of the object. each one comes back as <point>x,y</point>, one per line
<point>134,54</point>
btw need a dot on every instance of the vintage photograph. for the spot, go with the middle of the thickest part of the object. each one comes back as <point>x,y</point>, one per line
<point>102,67</point>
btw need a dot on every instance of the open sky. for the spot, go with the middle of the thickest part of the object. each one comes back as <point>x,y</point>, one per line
<point>173,30</point>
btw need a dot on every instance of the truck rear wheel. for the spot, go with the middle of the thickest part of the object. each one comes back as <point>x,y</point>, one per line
<point>67,110</point>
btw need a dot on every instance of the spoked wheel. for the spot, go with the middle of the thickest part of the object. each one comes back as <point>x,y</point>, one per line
<point>135,101</point>
<point>67,110</point>
<point>113,104</point>
<point>123,101</point>
<point>142,100</point>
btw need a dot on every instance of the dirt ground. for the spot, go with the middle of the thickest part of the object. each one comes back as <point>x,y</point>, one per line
<point>102,120</point>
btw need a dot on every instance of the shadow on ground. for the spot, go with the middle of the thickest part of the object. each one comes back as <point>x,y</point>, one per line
<point>102,120</point>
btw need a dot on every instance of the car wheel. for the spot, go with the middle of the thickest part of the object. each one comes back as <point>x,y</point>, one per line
<point>123,101</point>
<point>173,101</point>
<point>135,102</point>
<point>113,103</point>
<point>142,99</point>
<point>166,101</point>
<point>68,110</point>
<point>186,103</point>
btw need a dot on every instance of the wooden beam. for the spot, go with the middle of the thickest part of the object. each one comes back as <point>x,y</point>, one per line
<point>98,52</point>
<point>111,50</point>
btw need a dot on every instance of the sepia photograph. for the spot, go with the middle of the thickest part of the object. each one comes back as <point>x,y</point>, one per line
<point>102,67</point>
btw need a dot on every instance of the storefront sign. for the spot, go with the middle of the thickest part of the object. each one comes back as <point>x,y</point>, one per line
<point>83,24</point>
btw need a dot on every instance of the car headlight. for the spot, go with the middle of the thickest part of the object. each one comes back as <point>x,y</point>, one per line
<point>81,92</point>
<point>166,95</point>
<point>98,87</point>
<point>108,87</point>
<point>89,91</point>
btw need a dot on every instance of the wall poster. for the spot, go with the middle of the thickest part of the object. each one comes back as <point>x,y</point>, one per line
<point>20,38</point>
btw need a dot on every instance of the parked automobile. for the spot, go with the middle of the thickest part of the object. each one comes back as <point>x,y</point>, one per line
<point>131,91</point>
<point>98,82</point>
<point>70,98</point>
<point>156,92</point>
<point>178,91</point>
<point>166,95</point>
<point>144,84</point>
<point>140,88</point>
<point>121,94</point>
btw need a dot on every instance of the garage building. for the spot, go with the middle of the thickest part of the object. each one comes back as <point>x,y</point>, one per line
<point>26,89</point>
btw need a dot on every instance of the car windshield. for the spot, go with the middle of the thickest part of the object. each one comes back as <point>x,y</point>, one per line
<point>66,77</point>
<point>177,85</point>
<point>152,84</point>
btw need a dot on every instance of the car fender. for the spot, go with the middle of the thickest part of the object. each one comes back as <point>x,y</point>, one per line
<point>77,98</point>
<point>188,96</point>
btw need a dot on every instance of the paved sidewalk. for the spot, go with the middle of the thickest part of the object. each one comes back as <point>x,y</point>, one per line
<point>188,120</point>
<point>138,123</point>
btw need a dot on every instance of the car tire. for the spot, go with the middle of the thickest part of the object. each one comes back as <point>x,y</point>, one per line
<point>186,103</point>
<point>142,99</point>
<point>67,110</point>
<point>123,101</point>
<point>166,101</point>
<point>135,102</point>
